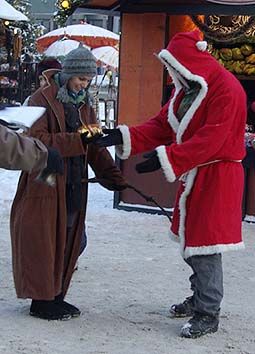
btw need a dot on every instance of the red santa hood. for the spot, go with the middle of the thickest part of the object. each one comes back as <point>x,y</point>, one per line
<point>187,55</point>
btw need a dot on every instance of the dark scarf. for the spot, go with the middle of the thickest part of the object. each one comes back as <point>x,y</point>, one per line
<point>75,165</point>
<point>189,97</point>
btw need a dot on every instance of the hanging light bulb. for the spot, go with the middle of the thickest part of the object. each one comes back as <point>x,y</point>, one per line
<point>6,23</point>
<point>65,4</point>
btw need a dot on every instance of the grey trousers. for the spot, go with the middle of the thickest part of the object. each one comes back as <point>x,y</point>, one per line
<point>206,283</point>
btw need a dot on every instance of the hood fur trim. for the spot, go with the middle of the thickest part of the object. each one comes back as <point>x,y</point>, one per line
<point>170,62</point>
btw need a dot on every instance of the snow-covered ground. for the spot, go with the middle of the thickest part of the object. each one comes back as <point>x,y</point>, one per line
<point>127,279</point>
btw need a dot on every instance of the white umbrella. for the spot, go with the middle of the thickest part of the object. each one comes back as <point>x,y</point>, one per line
<point>8,12</point>
<point>61,48</point>
<point>93,36</point>
<point>107,55</point>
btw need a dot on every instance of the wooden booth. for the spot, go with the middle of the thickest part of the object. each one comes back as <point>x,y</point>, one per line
<point>146,28</point>
<point>17,71</point>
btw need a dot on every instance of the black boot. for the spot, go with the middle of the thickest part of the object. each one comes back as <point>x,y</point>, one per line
<point>74,311</point>
<point>48,310</point>
<point>184,309</point>
<point>199,325</point>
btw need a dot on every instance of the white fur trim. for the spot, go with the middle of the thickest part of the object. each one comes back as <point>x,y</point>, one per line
<point>205,250</point>
<point>165,164</point>
<point>124,151</point>
<point>174,237</point>
<point>170,62</point>
<point>190,177</point>
<point>201,45</point>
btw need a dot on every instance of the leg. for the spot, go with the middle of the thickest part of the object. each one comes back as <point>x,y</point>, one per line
<point>185,308</point>
<point>207,282</point>
<point>59,299</point>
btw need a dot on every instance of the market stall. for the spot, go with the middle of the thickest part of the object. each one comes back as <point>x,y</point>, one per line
<point>8,69</point>
<point>10,51</point>
<point>17,67</point>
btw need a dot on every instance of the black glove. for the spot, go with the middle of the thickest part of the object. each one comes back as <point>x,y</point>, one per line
<point>55,163</point>
<point>150,165</point>
<point>111,137</point>
<point>91,139</point>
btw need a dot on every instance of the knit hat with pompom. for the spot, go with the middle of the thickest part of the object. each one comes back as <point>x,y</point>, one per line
<point>79,61</point>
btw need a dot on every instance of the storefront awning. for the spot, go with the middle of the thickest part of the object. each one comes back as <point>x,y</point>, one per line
<point>174,7</point>
<point>233,2</point>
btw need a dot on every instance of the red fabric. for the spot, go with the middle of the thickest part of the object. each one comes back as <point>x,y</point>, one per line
<point>211,211</point>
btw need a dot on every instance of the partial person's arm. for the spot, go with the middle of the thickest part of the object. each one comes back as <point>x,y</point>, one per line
<point>18,152</point>
<point>134,140</point>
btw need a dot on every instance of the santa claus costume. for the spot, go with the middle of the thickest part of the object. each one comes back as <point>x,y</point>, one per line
<point>198,137</point>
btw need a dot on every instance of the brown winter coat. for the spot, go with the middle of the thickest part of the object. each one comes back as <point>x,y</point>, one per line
<point>39,215</point>
<point>21,153</point>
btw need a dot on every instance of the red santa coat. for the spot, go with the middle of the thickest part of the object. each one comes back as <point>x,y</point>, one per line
<point>204,149</point>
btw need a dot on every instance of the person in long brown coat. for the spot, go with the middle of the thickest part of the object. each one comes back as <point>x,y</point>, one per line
<point>47,224</point>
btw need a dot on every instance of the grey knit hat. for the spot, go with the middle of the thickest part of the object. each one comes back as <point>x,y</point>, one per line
<point>79,61</point>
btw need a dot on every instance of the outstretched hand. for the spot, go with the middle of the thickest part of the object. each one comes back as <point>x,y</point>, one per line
<point>87,138</point>
<point>110,137</point>
<point>55,165</point>
<point>151,164</point>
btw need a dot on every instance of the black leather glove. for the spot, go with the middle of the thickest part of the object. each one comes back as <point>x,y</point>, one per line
<point>111,137</point>
<point>89,139</point>
<point>55,163</point>
<point>151,164</point>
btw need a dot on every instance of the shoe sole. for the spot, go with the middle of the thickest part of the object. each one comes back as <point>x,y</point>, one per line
<point>68,309</point>
<point>75,315</point>
<point>64,318</point>
<point>197,335</point>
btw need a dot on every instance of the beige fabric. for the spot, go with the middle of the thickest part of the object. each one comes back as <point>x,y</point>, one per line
<point>21,153</point>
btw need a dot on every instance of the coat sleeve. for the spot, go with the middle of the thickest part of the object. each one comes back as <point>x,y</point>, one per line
<point>212,141</point>
<point>147,136</point>
<point>68,144</point>
<point>21,153</point>
<point>104,167</point>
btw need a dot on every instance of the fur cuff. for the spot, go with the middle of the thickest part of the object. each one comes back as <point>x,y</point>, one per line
<point>165,164</point>
<point>124,151</point>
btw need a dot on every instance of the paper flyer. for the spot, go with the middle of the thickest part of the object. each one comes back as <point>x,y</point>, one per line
<point>23,115</point>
